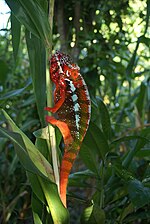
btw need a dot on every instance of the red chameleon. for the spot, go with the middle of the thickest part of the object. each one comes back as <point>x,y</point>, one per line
<point>72,108</point>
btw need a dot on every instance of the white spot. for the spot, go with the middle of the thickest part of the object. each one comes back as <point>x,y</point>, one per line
<point>76,107</point>
<point>67,73</point>
<point>74,97</point>
<point>72,87</point>
<point>77,120</point>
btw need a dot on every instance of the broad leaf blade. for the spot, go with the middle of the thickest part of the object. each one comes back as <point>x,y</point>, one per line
<point>140,100</point>
<point>138,194</point>
<point>88,153</point>
<point>37,158</point>
<point>20,150</point>
<point>58,211</point>
<point>15,30</point>
<point>37,57</point>
<point>4,71</point>
<point>105,119</point>
<point>36,187</point>
<point>100,140</point>
<point>94,215</point>
<point>89,158</point>
<point>33,17</point>
<point>37,208</point>
<point>16,92</point>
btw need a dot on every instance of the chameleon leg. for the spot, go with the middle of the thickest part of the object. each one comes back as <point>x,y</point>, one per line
<point>58,104</point>
<point>63,127</point>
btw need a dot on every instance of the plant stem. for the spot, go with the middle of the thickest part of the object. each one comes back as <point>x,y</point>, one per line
<point>52,137</point>
<point>102,185</point>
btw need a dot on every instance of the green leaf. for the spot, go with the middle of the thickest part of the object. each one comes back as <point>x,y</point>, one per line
<point>42,133</point>
<point>88,153</point>
<point>13,165</point>
<point>4,71</point>
<point>128,138</point>
<point>126,211</point>
<point>37,208</point>
<point>42,146</point>
<point>15,30</point>
<point>141,141</point>
<point>36,218</point>
<point>36,186</point>
<point>58,211</point>
<point>79,179</point>
<point>93,145</point>
<point>145,40</point>
<point>89,158</point>
<point>144,153</point>
<point>37,57</point>
<point>94,215</point>
<point>33,17</point>
<point>105,119</point>
<point>100,140</point>
<point>15,92</point>
<point>20,150</point>
<point>47,193</point>
<point>37,158</point>
<point>138,194</point>
<point>122,172</point>
<point>145,134</point>
<point>29,123</point>
<point>139,215</point>
<point>141,98</point>
<point>147,16</point>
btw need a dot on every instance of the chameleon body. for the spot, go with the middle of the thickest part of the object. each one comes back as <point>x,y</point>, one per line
<point>72,109</point>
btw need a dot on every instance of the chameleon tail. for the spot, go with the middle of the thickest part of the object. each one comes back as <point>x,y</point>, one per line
<point>69,155</point>
<point>66,165</point>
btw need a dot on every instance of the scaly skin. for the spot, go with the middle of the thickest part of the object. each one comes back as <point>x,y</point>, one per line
<point>73,109</point>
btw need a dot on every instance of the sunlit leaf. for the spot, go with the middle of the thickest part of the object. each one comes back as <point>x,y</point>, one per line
<point>32,152</point>
<point>42,133</point>
<point>94,215</point>
<point>54,202</point>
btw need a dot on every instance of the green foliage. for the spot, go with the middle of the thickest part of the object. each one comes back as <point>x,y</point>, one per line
<point>93,214</point>
<point>33,17</point>
<point>111,47</point>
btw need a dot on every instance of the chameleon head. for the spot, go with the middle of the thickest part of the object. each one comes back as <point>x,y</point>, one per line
<point>61,64</point>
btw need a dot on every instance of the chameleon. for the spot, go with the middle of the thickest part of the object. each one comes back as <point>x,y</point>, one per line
<point>72,110</point>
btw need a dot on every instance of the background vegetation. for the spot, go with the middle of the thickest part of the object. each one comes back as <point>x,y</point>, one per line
<point>110,42</point>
